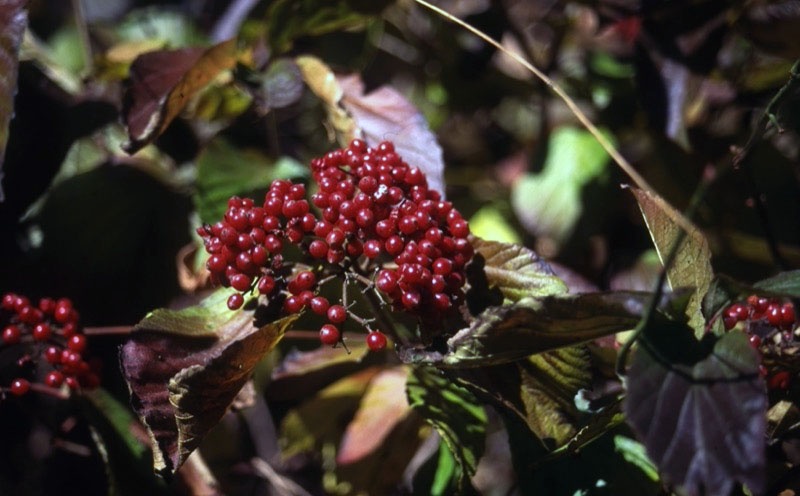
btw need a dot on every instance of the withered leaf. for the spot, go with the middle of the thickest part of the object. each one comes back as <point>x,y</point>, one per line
<point>161,84</point>
<point>12,26</point>
<point>185,367</point>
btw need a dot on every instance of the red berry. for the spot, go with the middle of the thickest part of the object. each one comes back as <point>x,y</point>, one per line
<point>52,354</point>
<point>77,343</point>
<point>780,380</point>
<point>755,341</point>
<point>337,314</point>
<point>54,379</point>
<point>787,314</point>
<point>241,282</point>
<point>11,334</point>
<point>19,387</point>
<point>774,315</point>
<point>319,305</point>
<point>376,340</point>
<point>293,304</point>
<point>329,334</point>
<point>62,312</point>
<point>318,249</point>
<point>47,305</point>
<point>72,382</point>
<point>459,229</point>
<point>235,301</point>
<point>442,266</point>
<point>305,280</point>
<point>265,285</point>
<point>372,248</point>
<point>8,301</point>
<point>41,332</point>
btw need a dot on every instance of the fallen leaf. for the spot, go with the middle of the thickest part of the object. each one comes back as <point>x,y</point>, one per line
<point>161,84</point>
<point>184,368</point>
<point>13,21</point>
<point>382,407</point>
<point>692,265</point>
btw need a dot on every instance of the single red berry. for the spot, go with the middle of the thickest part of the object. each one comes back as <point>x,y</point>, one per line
<point>787,314</point>
<point>442,266</point>
<point>20,386</point>
<point>305,280</point>
<point>293,304</point>
<point>52,354</point>
<point>54,379</point>
<point>241,282</point>
<point>329,334</point>
<point>780,380</point>
<point>9,299</point>
<point>235,301</point>
<point>774,315</point>
<point>47,305</point>
<point>376,340</point>
<point>306,297</point>
<point>69,329</point>
<point>62,312</point>
<point>265,285</point>
<point>72,382</point>
<point>335,238</point>
<point>11,334</point>
<point>372,248</point>
<point>761,305</point>
<point>319,305</point>
<point>77,343</point>
<point>337,314</point>
<point>41,332</point>
<point>318,249</point>
<point>755,341</point>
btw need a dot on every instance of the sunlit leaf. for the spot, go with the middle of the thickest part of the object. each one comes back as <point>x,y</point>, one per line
<point>699,408</point>
<point>489,224</point>
<point>322,82</point>
<point>184,368</point>
<point>13,21</point>
<point>507,333</point>
<point>161,84</point>
<point>454,412</point>
<point>549,203</point>
<point>382,407</point>
<point>634,453</point>
<point>692,265</point>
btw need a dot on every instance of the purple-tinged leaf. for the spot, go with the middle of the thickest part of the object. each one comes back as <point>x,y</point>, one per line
<point>161,84</point>
<point>12,26</point>
<point>700,413</point>
<point>184,368</point>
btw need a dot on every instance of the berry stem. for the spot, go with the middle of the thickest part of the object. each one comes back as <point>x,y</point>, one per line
<point>50,391</point>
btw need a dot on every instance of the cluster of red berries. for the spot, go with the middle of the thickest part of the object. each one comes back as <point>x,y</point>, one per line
<point>374,203</point>
<point>374,209</point>
<point>50,330</point>
<point>771,325</point>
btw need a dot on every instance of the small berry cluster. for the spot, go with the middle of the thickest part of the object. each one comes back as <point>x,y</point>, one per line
<point>379,225</point>
<point>772,327</point>
<point>50,330</point>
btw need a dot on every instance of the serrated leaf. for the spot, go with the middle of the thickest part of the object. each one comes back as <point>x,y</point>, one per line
<point>692,265</point>
<point>161,84</point>
<point>784,284</point>
<point>13,21</point>
<point>517,271</point>
<point>382,407</point>
<point>454,412</point>
<point>185,367</point>
<point>503,334</point>
<point>224,171</point>
<point>699,410</point>
<point>323,418</point>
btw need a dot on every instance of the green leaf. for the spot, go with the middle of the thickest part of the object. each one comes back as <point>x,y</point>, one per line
<point>446,471</point>
<point>488,223</point>
<point>13,21</point>
<point>634,453</point>
<point>503,334</point>
<point>549,203</point>
<point>455,414</point>
<point>224,171</point>
<point>185,367</point>
<point>699,408</point>
<point>517,271</point>
<point>783,284</point>
<point>692,265</point>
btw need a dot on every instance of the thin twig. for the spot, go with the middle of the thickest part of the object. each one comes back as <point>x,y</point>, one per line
<point>579,114</point>
<point>228,25</point>
<point>108,331</point>
<point>283,484</point>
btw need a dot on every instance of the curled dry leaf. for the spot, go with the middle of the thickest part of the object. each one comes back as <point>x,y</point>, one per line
<point>692,266</point>
<point>184,368</point>
<point>13,21</point>
<point>382,407</point>
<point>161,84</point>
<point>383,114</point>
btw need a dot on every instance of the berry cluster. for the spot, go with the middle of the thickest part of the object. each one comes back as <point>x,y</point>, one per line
<point>772,327</point>
<point>378,224</point>
<point>49,330</point>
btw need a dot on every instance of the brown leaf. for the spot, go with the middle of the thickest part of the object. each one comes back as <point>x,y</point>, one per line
<point>184,368</point>
<point>382,407</point>
<point>161,84</point>
<point>692,266</point>
<point>12,26</point>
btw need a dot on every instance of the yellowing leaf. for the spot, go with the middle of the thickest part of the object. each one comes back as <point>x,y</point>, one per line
<point>692,265</point>
<point>382,407</point>
<point>322,82</point>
